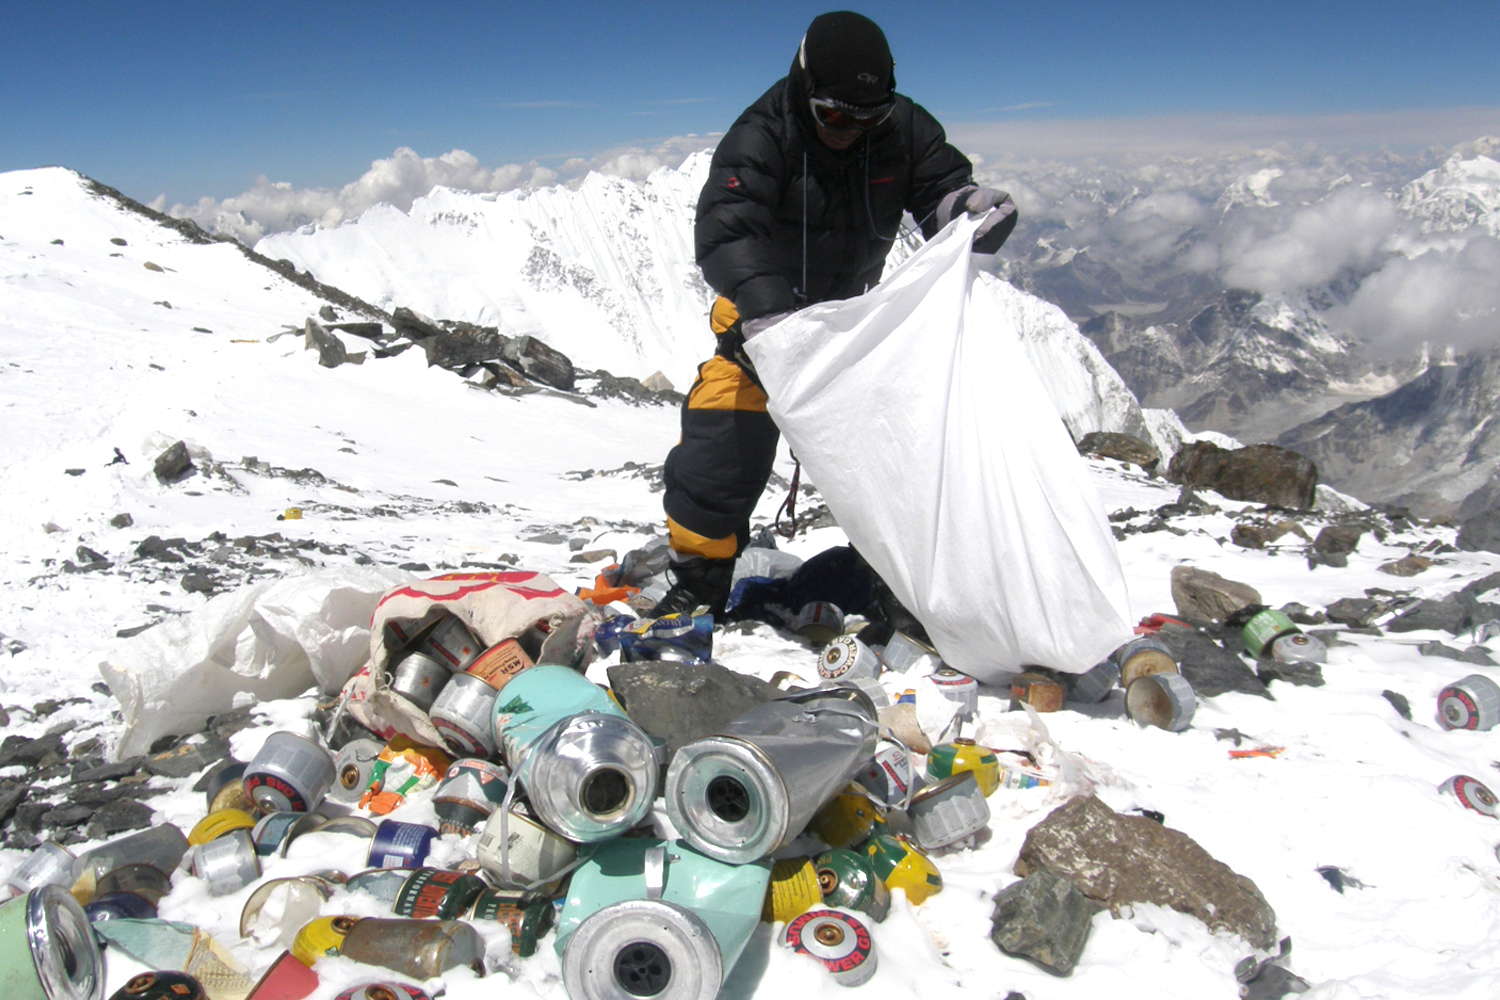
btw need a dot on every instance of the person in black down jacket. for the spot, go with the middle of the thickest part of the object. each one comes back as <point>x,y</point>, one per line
<point>804,199</point>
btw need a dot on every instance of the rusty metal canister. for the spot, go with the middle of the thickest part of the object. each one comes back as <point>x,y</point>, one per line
<point>464,713</point>
<point>528,916</point>
<point>839,941</point>
<point>164,985</point>
<point>470,791</point>
<point>290,773</point>
<point>847,880</point>
<point>421,949</point>
<point>384,991</point>
<point>498,664</point>
<point>353,768</point>
<point>846,657</point>
<point>1041,691</point>
<point>419,678</point>
<point>1164,700</point>
<point>227,864</point>
<point>437,892</point>
<point>1142,657</point>
<point>451,643</point>
<point>947,812</point>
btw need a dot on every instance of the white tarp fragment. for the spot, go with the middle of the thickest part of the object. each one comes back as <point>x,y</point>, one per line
<point>270,640</point>
<point>915,411</point>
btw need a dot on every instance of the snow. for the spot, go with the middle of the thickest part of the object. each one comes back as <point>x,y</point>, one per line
<point>89,363</point>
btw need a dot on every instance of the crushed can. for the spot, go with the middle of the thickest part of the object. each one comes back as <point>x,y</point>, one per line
<point>216,824</point>
<point>286,979</point>
<point>1471,703</point>
<point>50,864</point>
<point>607,633</point>
<point>1299,647</point>
<point>845,658</point>
<point>961,689</point>
<point>888,776</point>
<point>1095,684</point>
<point>682,637</point>
<point>900,864</point>
<point>1142,657</point>
<point>1265,628</point>
<point>119,906</point>
<point>290,773</point>
<point>384,991</point>
<point>470,791</point>
<point>847,880</point>
<point>421,949</point>
<point>322,938</point>
<point>293,903</point>
<point>400,845</point>
<point>589,772</point>
<point>792,890</point>
<point>837,940</point>
<point>464,713</point>
<point>437,892</point>
<point>498,664</point>
<point>353,768</point>
<point>902,653</point>
<point>47,948</point>
<point>227,863</point>
<point>419,678</point>
<point>846,819</point>
<point>528,916</point>
<point>818,622</point>
<point>748,790</point>
<point>1042,692</point>
<point>946,760</point>
<point>1472,793</point>
<point>518,852</point>
<point>162,847</point>
<point>164,985</point>
<point>949,811</point>
<point>1162,700</point>
<point>648,918</point>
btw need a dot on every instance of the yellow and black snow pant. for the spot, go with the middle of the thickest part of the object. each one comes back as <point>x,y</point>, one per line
<point>715,475</point>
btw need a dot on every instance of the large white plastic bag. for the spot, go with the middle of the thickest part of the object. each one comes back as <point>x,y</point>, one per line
<point>915,411</point>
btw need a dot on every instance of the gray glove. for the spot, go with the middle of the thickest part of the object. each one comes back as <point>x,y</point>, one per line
<point>1002,218</point>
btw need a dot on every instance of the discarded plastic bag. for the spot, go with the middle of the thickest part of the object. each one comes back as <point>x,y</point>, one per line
<point>915,410</point>
<point>270,640</point>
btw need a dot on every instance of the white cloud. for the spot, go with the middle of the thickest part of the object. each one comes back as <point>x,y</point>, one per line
<point>1442,297</point>
<point>1315,244</point>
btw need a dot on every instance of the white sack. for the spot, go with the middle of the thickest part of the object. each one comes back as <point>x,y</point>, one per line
<point>269,640</point>
<point>915,411</point>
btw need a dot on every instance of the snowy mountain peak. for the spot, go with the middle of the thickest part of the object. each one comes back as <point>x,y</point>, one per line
<point>1462,193</point>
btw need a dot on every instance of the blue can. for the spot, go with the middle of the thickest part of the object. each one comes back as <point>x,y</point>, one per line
<point>119,906</point>
<point>400,845</point>
<point>680,637</point>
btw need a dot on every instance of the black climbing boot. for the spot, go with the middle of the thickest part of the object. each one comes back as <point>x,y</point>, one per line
<point>698,582</point>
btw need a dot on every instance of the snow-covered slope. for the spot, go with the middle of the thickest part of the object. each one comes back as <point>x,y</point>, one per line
<point>1463,192</point>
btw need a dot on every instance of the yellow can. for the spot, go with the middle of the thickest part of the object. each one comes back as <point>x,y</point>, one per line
<point>292,514</point>
<point>321,938</point>
<point>216,824</point>
<point>794,889</point>
<point>901,865</point>
<point>846,819</point>
<point>947,760</point>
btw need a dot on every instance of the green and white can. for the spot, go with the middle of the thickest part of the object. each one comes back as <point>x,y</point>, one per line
<point>47,949</point>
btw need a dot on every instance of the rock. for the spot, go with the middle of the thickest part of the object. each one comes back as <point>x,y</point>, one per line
<point>173,463</point>
<point>155,548</point>
<point>31,752</point>
<point>465,345</point>
<point>10,799</point>
<point>1448,615</point>
<point>117,241</point>
<point>1476,655</point>
<point>1338,539</point>
<point>1352,611</point>
<point>1209,667</point>
<point>369,331</point>
<point>413,325</point>
<point>198,583</point>
<point>1121,447</point>
<point>186,758</point>
<point>152,266</point>
<point>1303,615</point>
<point>121,521</point>
<point>331,351</point>
<point>1258,536</point>
<point>109,772</point>
<point>92,559</point>
<point>327,314</point>
<point>540,363</point>
<point>680,702</point>
<point>1301,674</point>
<point>119,816</point>
<point>1407,566</point>
<point>69,815</point>
<point>1118,860</point>
<point>1204,596</point>
<point>1399,703</point>
<point>1044,918</point>
<point>595,555</point>
<point>658,382</point>
<point>1481,533</point>
<point>1259,473</point>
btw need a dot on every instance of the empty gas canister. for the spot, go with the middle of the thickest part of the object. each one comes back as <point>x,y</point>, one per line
<point>900,865</point>
<point>948,759</point>
<point>847,880</point>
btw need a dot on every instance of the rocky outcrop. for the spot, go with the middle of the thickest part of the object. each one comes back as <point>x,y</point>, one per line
<point>1260,473</point>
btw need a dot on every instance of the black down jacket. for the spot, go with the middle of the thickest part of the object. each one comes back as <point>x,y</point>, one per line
<point>750,229</point>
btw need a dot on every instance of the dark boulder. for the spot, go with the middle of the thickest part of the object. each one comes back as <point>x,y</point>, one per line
<point>540,363</point>
<point>1481,533</point>
<point>173,463</point>
<point>464,345</point>
<point>1259,473</point>
<point>1044,918</point>
<point>1121,447</point>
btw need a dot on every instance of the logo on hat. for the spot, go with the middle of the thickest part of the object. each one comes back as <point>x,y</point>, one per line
<point>867,78</point>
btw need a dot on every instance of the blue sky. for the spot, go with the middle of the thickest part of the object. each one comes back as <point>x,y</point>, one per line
<point>191,99</point>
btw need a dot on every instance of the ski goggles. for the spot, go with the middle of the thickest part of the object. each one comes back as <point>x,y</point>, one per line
<point>840,116</point>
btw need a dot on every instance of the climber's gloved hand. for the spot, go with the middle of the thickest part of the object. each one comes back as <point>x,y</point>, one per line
<point>997,226</point>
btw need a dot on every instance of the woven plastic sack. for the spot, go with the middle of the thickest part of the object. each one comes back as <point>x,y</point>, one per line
<point>915,411</point>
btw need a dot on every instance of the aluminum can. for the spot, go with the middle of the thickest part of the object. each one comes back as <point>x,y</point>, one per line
<point>322,938</point>
<point>294,902</point>
<point>946,760</point>
<point>227,864</point>
<point>421,949</point>
<point>270,832</point>
<point>1263,629</point>
<point>47,949</point>
<point>352,769</point>
<point>1299,647</point>
<point>792,891</point>
<point>437,892</point>
<point>163,985</point>
<point>847,879</point>
<point>119,906</point>
<point>528,916</point>
<point>747,791</point>
<point>819,622</point>
<point>846,819</point>
<point>902,653</point>
<point>286,979</point>
<point>589,772</point>
<point>384,991</point>
<point>839,941</point>
<point>1163,700</point>
<point>400,845</point>
<point>868,685</point>
<point>162,847</point>
<point>451,644</point>
<point>1041,692</point>
<point>470,791</point>
<point>949,811</point>
<point>518,852</point>
<point>1142,657</point>
<point>216,824</point>
<point>846,658</point>
<point>50,864</point>
<point>1471,703</point>
<point>419,678</point>
<point>888,776</point>
<point>498,664</point>
<point>961,689</point>
<point>1094,684</point>
<point>291,773</point>
<point>1473,793</point>
<point>226,789</point>
<point>464,713</point>
<point>682,638</point>
<point>382,883</point>
<point>900,864</point>
<point>143,880</point>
